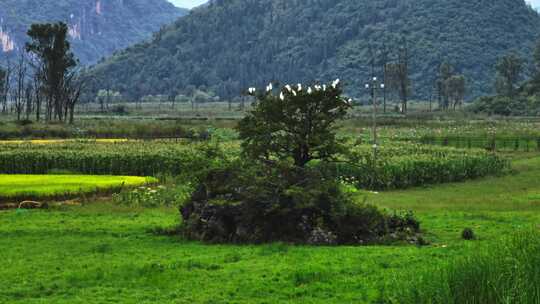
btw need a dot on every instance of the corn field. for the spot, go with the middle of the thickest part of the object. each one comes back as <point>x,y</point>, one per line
<point>398,164</point>
<point>402,165</point>
<point>122,158</point>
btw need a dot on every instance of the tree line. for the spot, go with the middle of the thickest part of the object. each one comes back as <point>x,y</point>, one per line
<point>517,86</point>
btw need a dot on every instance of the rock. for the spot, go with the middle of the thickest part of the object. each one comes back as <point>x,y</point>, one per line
<point>8,206</point>
<point>33,205</point>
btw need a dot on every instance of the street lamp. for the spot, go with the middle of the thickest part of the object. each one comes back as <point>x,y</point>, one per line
<point>373,86</point>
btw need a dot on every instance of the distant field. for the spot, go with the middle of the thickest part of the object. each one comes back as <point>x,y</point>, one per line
<point>50,186</point>
<point>61,141</point>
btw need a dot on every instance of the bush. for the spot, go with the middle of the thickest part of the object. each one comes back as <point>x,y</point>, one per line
<point>246,203</point>
<point>468,234</point>
<point>119,110</point>
<point>153,196</point>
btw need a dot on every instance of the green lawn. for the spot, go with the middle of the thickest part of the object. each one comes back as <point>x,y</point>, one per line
<point>46,186</point>
<point>101,253</point>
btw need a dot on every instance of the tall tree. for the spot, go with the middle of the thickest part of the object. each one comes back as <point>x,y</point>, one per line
<point>534,84</point>
<point>54,60</point>
<point>445,72</point>
<point>403,75</point>
<point>509,69</point>
<point>455,88</point>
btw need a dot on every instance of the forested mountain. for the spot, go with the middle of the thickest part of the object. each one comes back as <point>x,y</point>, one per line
<point>97,27</point>
<point>232,44</point>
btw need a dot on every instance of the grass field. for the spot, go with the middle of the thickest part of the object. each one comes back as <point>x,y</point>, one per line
<point>102,253</point>
<point>22,186</point>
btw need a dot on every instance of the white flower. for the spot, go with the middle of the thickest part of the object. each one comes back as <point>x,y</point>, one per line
<point>324,87</point>
<point>335,83</point>
<point>309,90</point>
<point>288,87</point>
<point>269,87</point>
<point>281,96</point>
<point>293,92</point>
<point>299,87</point>
<point>350,101</point>
<point>251,90</point>
<point>317,87</point>
<point>375,146</point>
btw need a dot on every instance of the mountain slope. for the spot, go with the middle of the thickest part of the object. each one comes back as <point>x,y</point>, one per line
<point>97,27</point>
<point>232,44</point>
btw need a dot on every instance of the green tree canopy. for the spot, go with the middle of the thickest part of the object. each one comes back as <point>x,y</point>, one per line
<point>298,123</point>
<point>509,69</point>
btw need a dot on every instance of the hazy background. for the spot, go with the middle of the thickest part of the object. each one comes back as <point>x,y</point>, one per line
<point>192,3</point>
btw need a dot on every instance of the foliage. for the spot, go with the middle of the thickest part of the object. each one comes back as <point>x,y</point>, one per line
<point>229,45</point>
<point>509,69</point>
<point>95,34</point>
<point>54,62</point>
<point>297,124</point>
<point>502,273</point>
<point>267,197</point>
<point>450,87</point>
<point>245,203</point>
<point>105,129</point>
<point>507,106</point>
<point>157,196</point>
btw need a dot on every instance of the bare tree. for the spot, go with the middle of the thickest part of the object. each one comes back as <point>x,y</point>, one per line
<point>29,97</point>
<point>19,92</point>
<point>38,97</point>
<point>5,86</point>
<point>72,87</point>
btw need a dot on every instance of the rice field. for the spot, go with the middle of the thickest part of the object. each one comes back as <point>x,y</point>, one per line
<point>21,187</point>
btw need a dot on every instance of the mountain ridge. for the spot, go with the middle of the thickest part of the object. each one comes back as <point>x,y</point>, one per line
<point>97,28</point>
<point>230,45</point>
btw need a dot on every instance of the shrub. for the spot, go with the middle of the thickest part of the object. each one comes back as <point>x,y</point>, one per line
<point>153,196</point>
<point>468,234</point>
<point>251,203</point>
<point>119,110</point>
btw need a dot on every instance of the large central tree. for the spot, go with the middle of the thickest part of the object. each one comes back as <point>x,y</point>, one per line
<point>296,123</point>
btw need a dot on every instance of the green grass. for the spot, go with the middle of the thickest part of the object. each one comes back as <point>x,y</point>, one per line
<point>47,186</point>
<point>505,272</point>
<point>101,253</point>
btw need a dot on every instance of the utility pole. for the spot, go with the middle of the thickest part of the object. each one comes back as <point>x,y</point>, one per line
<point>375,84</point>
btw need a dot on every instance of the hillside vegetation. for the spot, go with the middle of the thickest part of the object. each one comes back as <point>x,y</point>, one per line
<point>97,27</point>
<point>230,45</point>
